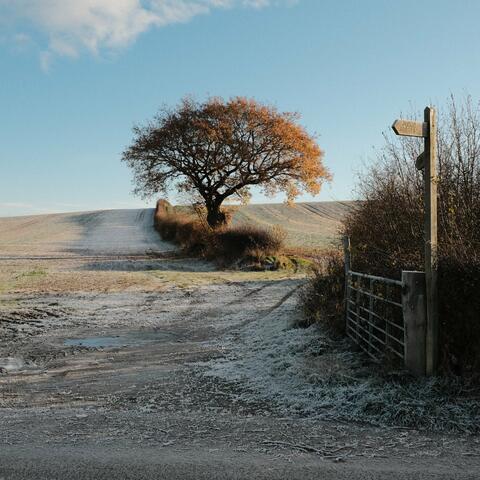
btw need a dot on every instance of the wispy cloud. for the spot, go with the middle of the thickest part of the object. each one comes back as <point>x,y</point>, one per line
<point>70,27</point>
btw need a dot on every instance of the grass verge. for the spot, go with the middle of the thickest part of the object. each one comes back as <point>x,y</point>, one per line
<point>307,372</point>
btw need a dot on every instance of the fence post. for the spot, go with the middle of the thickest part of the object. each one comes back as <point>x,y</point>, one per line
<point>347,255</point>
<point>346,251</point>
<point>414,314</point>
<point>431,180</point>
<point>370,314</point>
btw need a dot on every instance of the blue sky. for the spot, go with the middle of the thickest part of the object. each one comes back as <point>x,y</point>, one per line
<point>77,74</point>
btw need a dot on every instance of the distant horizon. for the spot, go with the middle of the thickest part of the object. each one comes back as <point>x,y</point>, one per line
<point>64,212</point>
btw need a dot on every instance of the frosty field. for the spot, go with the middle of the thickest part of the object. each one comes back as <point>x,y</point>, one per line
<point>117,350</point>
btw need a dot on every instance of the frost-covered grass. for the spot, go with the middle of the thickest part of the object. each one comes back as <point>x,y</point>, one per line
<point>306,372</point>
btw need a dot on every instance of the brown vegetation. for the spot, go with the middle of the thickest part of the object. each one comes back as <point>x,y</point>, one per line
<point>386,229</point>
<point>323,296</point>
<point>242,245</point>
<point>219,149</point>
<point>248,242</point>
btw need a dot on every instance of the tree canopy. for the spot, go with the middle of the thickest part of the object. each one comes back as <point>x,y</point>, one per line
<point>219,149</point>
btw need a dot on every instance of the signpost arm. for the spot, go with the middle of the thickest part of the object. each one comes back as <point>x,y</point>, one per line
<point>431,254</point>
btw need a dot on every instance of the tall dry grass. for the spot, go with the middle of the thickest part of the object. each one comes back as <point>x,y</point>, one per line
<point>322,298</point>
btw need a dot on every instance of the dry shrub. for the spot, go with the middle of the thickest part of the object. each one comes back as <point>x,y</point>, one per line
<point>163,207</point>
<point>248,242</point>
<point>387,234</point>
<point>459,312</point>
<point>227,245</point>
<point>323,296</point>
<point>185,231</point>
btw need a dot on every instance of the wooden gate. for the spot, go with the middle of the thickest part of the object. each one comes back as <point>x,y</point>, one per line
<point>387,317</point>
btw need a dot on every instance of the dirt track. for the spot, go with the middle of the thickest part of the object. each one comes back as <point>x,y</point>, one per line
<point>106,344</point>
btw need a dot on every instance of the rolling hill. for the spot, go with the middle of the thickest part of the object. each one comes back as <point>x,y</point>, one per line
<point>310,225</point>
<point>107,232</point>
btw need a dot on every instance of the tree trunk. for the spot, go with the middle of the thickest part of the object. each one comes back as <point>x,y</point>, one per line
<point>215,217</point>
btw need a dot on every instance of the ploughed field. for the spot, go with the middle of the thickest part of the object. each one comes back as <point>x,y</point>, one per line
<point>314,224</point>
<point>120,358</point>
<point>310,225</point>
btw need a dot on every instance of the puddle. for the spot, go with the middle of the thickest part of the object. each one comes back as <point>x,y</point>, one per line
<point>125,340</point>
<point>11,364</point>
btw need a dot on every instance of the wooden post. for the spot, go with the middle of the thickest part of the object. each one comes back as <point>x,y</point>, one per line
<point>414,314</point>
<point>430,178</point>
<point>388,312</point>
<point>370,314</point>
<point>427,162</point>
<point>347,256</point>
<point>358,300</point>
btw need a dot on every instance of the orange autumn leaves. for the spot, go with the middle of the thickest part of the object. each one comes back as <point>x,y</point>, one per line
<point>220,149</point>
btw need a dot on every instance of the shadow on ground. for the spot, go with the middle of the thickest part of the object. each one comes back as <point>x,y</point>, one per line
<point>135,265</point>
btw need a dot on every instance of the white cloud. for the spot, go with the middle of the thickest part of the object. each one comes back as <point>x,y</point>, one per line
<point>70,27</point>
<point>45,60</point>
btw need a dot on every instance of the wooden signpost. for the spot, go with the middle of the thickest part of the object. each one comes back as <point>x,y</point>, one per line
<point>427,162</point>
<point>408,128</point>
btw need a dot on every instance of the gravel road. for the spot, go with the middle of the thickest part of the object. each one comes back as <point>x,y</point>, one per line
<point>108,344</point>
